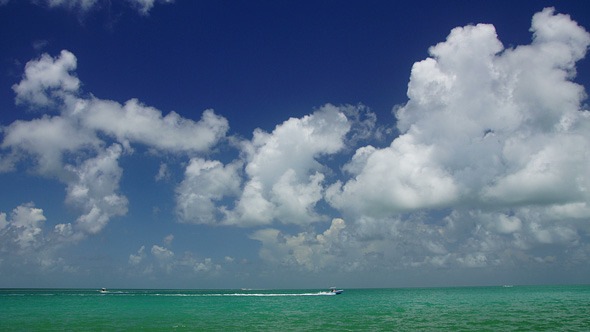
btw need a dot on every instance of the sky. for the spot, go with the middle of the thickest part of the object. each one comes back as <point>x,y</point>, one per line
<point>293,144</point>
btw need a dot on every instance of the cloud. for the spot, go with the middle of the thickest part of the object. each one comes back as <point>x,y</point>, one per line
<point>490,166</point>
<point>198,266</point>
<point>162,253</point>
<point>205,183</point>
<point>168,239</point>
<point>84,6</point>
<point>308,250</point>
<point>394,180</point>
<point>47,139</point>
<point>163,172</point>
<point>284,177</point>
<point>47,78</point>
<point>277,178</point>
<point>80,142</point>
<point>135,259</point>
<point>26,242</point>
<point>95,190</point>
<point>168,263</point>
<point>92,183</point>
<point>144,6</point>
<point>481,126</point>
<point>24,228</point>
<point>134,122</point>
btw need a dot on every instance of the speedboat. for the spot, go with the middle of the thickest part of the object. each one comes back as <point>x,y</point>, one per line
<point>103,291</point>
<point>335,291</point>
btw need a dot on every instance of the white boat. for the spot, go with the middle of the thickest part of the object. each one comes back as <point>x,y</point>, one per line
<point>103,291</point>
<point>335,291</point>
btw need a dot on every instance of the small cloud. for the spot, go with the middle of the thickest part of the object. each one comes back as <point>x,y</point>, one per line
<point>168,240</point>
<point>144,6</point>
<point>40,44</point>
<point>47,78</point>
<point>24,228</point>
<point>163,172</point>
<point>162,253</point>
<point>84,6</point>
<point>137,258</point>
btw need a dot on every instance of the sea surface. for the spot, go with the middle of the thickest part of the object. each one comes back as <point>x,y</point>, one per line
<point>522,308</point>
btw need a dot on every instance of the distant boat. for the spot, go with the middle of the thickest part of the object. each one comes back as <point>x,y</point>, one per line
<point>334,291</point>
<point>103,291</point>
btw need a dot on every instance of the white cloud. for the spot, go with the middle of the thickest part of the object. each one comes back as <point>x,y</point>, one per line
<point>135,259</point>
<point>490,167</point>
<point>3,221</point>
<point>24,228</point>
<point>163,172</point>
<point>144,6</point>
<point>168,263</point>
<point>474,260</point>
<point>198,266</point>
<point>168,239</point>
<point>481,126</point>
<point>295,201</point>
<point>95,188</point>
<point>136,123</point>
<point>396,179</point>
<point>295,144</point>
<point>93,179</point>
<point>47,139</point>
<point>308,250</point>
<point>81,145</point>
<point>47,78</point>
<point>162,253</point>
<point>463,239</point>
<point>84,6</point>
<point>64,231</point>
<point>26,242</point>
<point>284,176</point>
<point>205,183</point>
<point>556,30</point>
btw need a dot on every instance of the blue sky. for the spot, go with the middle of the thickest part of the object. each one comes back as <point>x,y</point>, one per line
<point>276,144</point>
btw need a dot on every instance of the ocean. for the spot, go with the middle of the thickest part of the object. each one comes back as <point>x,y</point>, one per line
<point>522,308</point>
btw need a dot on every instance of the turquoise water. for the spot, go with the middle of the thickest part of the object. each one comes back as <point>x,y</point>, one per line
<point>530,308</point>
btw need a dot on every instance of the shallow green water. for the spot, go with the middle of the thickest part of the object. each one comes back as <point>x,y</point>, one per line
<point>530,308</point>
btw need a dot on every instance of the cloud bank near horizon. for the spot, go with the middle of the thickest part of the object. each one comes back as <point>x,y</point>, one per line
<point>490,167</point>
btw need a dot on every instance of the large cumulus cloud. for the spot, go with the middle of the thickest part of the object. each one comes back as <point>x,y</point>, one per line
<point>491,163</point>
<point>279,176</point>
<point>483,124</point>
<point>284,176</point>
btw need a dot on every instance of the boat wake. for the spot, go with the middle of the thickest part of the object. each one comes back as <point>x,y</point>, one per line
<point>249,294</point>
<point>278,294</point>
